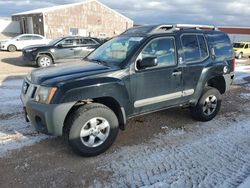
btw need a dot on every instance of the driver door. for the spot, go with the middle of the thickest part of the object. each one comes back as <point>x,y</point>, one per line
<point>160,86</point>
<point>65,49</point>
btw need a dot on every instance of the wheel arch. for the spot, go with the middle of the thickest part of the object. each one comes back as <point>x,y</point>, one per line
<point>45,53</point>
<point>110,102</point>
<point>217,82</point>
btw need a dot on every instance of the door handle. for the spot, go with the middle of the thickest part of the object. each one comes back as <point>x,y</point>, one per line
<point>176,73</point>
<point>71,49</point>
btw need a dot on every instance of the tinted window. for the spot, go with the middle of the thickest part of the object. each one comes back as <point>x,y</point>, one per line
<point>203,46</point>
<point>163,49</point>
<point>222,46</point>
<point>238,45</point>
<point>89,41</point>
<point>68,42</point>
<point>190,48</point>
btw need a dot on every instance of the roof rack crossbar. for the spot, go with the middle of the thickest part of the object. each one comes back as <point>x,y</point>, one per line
<point>174,27</point>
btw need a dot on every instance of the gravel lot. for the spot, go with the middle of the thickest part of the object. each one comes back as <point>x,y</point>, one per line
<point>163,149</point>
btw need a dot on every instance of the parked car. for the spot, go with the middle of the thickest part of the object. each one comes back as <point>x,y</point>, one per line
<point>241,49</point>
<point>64,48</point>
<point>22,41</point>
<point>146,69</point>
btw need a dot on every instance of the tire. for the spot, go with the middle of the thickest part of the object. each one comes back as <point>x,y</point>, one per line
<point>208,105</point>
<point>44,61</point>
<point>240,55</point>
<point>84,133</point>
<point>12,48</point>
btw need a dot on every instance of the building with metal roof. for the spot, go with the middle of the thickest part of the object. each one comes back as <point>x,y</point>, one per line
<point>87,18</point>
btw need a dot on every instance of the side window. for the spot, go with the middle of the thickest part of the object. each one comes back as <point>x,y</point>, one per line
<point>163,49</point>
<point>26,37</point>
<point>222,45</point>
<point>203,46</point>
<point>191,48</point>
<point>68,42</point>
<point>36,38</point>
<point>80,41</point>
<point>89,41</point>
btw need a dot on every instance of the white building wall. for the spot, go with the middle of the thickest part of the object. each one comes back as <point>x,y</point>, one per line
<point>9,26</point>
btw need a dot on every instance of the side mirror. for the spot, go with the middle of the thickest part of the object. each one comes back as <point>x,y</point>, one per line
<point>60,45</point>
<point>17,39</point>
<point>147,62</point>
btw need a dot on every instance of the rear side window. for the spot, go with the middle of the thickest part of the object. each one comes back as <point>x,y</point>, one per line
<point>194,47</point>
<point>191,48</point>
<point>222,46</point>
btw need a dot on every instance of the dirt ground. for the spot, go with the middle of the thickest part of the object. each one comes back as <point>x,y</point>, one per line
<point>158,147</point>
<point>12,64</point>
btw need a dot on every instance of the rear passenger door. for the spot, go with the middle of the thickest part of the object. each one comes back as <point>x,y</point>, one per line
<point>195,57</point>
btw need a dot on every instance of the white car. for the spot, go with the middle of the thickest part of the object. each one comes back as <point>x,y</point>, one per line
<point>21,41</point>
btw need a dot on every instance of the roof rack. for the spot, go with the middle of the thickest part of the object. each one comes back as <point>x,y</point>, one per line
<point>166,28</point>
<point>174,27</point>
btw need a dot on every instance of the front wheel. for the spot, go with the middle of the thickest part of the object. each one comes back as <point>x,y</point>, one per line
<point>208,105</point>
<point>12,48</point>
<point>92,129</point>
<point>44,61</point>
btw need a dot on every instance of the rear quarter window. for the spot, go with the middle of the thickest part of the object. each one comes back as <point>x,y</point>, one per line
<point>222,46</point>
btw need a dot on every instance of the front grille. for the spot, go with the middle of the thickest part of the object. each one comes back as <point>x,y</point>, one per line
<point>28,89</point>
<point>25,87</point>
<point>33,92</point>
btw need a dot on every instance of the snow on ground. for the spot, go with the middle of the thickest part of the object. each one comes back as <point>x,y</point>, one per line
<point>188,158</point>
<point>14,131</point>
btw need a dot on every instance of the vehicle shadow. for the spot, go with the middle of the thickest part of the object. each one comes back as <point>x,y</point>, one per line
<point>17,61</point>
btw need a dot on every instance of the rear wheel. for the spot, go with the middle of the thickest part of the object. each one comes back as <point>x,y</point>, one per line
<point>92,129</point>
<point>208,105</point>
<point>12,48</point>
<point>44,61</point>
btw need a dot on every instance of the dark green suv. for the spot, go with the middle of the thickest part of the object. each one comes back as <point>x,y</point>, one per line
<point>145,69</point>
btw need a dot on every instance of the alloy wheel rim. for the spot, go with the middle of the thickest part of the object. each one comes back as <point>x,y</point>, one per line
<point>95,132</point>
<point>209,105</point>
<point>45,62</point>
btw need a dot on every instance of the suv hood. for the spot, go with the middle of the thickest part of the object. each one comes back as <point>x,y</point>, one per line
<point>51,76</point>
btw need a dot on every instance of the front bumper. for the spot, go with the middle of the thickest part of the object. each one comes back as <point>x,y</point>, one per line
<point>29,58</point>
<point>46,118</point>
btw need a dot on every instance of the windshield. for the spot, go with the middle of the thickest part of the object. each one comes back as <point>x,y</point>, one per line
<point>238,45</point>
<point>53,42</point>
<point>116,50</point>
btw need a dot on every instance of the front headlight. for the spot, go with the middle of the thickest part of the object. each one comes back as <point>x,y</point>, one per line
<point>31,50</point>
<point>45,94</point>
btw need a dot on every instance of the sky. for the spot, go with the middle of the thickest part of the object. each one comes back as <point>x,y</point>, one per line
<point>216,12</point>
